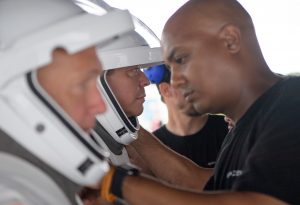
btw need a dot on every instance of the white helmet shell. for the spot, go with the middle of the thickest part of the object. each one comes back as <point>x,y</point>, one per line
<point>129,50</point>
<point>114,120</point>
<point>29,31</point>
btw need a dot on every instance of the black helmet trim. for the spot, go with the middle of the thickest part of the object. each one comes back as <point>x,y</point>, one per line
<point>131,122</point>
<point>32,86</point>
<point>114,146</point>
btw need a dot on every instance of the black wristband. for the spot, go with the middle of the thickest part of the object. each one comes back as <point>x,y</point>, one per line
<point>118,178</point>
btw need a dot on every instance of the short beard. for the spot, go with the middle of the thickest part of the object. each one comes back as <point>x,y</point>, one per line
<point>192,113</point>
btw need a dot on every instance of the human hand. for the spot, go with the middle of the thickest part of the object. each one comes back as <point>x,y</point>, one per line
<point>97,201</point>
<point>89,196</point>
<point>137,160</point>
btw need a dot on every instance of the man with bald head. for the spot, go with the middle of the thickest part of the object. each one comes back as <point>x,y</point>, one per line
<point>216,61</point>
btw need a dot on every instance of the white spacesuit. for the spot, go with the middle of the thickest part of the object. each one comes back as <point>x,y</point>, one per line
<point>113,126</point>
<point>45,156</point>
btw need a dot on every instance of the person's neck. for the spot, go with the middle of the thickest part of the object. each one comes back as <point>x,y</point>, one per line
<point>183,125</point>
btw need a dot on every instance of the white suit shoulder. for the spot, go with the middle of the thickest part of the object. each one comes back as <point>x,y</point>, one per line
<point>26,184</point>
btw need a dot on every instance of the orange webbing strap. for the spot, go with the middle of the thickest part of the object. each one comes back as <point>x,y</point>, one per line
<point>106,186</point>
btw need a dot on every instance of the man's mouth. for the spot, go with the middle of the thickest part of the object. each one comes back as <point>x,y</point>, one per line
<point>188,95</point>
<point>141,98</point>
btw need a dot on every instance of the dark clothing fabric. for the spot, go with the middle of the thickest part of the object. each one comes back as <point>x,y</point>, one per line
<point>201,147</point>
<point>262,153</point>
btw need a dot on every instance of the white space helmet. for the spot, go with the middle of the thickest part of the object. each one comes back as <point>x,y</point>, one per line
<point>129,50</point>
<point>29,31</point>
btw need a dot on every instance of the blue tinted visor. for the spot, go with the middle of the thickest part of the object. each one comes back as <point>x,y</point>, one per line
<point>158,74</point>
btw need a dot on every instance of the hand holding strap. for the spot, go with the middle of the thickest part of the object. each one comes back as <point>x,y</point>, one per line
<point>111,186</point>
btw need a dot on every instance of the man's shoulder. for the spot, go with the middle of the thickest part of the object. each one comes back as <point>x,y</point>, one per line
<point>290,84</point>
<point>279,107</point>
<point>286,92</point>
<point>282,96</point>
<point>160,131</point>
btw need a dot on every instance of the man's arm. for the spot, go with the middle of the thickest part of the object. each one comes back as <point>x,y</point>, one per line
<point>169,165</point>
<point>143,191</point>
<point>136,159</point>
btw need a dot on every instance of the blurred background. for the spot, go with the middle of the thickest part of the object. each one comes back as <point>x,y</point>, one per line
<point>277,26</point>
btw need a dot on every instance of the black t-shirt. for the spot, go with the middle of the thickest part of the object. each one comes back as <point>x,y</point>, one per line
<point>262,153</point>
<point>201,147</point>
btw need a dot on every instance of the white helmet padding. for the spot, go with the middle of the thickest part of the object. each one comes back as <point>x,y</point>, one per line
<point>38,123</point>
<point>114,120</point>
<point>29,32</point>
<point>115,148</point>
<point>129,50</point>
<point>117,152</point>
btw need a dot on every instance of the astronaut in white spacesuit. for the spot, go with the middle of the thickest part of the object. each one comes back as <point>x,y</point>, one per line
<point>122,84</point>
<point>49,98</point>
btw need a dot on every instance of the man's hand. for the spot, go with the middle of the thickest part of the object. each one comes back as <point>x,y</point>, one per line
<point>97,201</point>
<point>89,196</point>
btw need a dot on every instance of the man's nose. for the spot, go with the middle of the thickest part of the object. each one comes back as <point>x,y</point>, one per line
<point>144,81</point>
<point>177,79</point>
<point>96,102</point>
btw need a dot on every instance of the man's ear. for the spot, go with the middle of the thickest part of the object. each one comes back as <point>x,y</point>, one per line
<point>164,89</point>
<point>231,37</point>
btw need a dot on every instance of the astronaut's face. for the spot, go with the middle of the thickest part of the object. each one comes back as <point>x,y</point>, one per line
<point>71,81</point>
<point>128,84</point>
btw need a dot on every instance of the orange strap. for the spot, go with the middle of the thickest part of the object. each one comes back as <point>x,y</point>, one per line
<point>106,185</point>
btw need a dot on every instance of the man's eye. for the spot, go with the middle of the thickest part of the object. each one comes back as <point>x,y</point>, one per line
<point>180,60</point>
<point>83,86</point>
<point>134,72</point>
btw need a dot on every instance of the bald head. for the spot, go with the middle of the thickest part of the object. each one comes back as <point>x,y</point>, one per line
<point>212,50</point>
<point>210,15</point>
